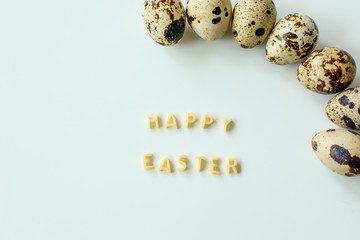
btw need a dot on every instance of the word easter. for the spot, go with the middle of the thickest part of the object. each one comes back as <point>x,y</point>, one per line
<point>190,121</point>
<point>232,165</point>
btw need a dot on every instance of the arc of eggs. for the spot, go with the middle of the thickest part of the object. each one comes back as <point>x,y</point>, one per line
<point>294,37</point>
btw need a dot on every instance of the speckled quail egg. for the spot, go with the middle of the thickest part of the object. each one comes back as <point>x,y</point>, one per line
<point>209,19</point>
<point>328,70</point>
<point>292,39</point>
<point>339,150</point>
<point>344,109</point>
<point>253,21</point>
<point>164,20</point>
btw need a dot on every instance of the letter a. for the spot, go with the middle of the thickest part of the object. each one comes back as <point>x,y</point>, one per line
<point>165,166</point>
<point>171,122</point>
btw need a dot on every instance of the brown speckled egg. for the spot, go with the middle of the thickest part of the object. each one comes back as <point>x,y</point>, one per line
<point>293,38</point>
<point>164,20</point>
<point>328,70</point>
<point>209,19</point>
<point>344,109</point>
<point>253,21</point>
<point>339,150</point>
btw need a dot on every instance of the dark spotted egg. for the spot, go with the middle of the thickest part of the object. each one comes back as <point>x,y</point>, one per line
<point>344,109</point>
<point>293,38</point>
<point>253,21</point>
<point>164,20</point>
<point>327,71</point>
<point>209,19</point>
<point>339,150</point>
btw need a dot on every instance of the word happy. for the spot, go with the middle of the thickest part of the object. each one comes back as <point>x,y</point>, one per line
<point>190,121</point>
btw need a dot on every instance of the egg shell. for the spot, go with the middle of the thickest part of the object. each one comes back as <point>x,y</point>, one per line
<point>327,71</point>
<point>292,39</point>
<point>339,150</point>
<point>209,19</point>
<point>344,109</point>
<point>253,21</point>
<point>164,20</point>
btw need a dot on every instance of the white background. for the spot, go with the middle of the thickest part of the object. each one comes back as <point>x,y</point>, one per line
<point>76,81</point>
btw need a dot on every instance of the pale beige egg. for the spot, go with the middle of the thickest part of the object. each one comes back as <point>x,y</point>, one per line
<point>339,150</point>
<point>210,19</point>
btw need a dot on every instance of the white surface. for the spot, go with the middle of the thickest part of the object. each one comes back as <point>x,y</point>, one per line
<point>76,81</point>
